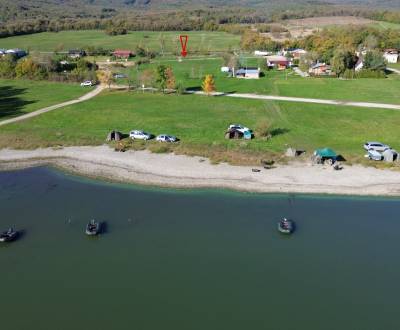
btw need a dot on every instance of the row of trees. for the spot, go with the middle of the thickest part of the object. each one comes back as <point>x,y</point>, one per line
<point>41,67</point>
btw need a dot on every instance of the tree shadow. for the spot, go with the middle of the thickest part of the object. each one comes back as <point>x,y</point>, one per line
<point>11,104</point>
<point>279,131</point>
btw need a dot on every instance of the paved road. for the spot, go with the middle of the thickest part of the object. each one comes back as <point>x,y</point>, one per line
<point>393,70</point>
<point>306,100</point>
<point>85,97</point>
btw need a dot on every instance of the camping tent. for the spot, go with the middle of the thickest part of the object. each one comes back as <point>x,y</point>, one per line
<point>390,155</point>
<point>325,153</point>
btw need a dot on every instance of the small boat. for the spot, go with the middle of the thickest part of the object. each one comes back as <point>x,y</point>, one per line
<point>93,228</point>
<point>9,235</point>
<point>286,226</point>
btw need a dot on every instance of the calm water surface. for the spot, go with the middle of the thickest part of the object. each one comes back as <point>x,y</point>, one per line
<point>193,259</point>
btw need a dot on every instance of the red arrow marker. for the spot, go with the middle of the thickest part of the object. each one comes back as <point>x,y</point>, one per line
<point>184,40</point>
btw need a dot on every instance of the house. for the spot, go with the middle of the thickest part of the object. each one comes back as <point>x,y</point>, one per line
<point>277,61</point>
<point>18,53</point>
<point>320,69</point>
<point>247,73</point>
<point>391,55</point>
<point>76,53</point>
<point>261,53</point>
<point>121,53</point>
<point>225,69</point>
<point>297,53</point>
<point>359,64</point>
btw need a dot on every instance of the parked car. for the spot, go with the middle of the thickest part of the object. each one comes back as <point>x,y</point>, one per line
<point>87,83</point>
<point>239,127</point>
<point>140,135</point>
<point>119,76</point>
<point>166,138</point>
<point>375,155</point>
<point>377,146</point>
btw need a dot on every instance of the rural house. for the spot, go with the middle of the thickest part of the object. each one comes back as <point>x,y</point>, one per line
<point>391,55</point>
<point>121,53</point>
<point>277,61</point>
<point>247,73</point>
<point>261,53</point>
<point>320,69</point>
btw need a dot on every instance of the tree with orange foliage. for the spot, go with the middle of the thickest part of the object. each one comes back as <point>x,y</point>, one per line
<point>208,84</point>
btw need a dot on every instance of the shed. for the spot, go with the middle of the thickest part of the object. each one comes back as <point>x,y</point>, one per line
<point>114,136</point>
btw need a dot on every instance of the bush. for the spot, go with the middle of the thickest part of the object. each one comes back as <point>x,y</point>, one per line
<point>367,73</point>
<point>263,129</point>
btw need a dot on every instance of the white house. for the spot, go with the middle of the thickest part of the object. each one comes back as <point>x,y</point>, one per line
<point>391,55</point>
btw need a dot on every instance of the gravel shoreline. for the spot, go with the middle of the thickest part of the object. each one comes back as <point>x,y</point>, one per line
<point>169,170</point>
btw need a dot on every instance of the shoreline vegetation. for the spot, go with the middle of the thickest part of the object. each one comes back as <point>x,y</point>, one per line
<point>179,171</point>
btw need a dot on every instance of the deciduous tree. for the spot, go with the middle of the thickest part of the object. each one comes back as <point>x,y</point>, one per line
<point>208,84</point>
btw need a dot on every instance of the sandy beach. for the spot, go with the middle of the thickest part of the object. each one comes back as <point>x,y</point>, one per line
<point>169,170</point>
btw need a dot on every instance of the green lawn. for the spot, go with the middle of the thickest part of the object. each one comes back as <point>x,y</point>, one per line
<point>200,122</point>
<point>190,71</point>
<point>49,41</point>
<point>21,96</point>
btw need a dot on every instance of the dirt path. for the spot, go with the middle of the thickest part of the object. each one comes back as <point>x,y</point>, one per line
<point>85,97</point>
<point>307,100</point>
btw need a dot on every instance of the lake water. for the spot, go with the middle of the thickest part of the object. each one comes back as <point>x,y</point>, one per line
<point>193,259</point>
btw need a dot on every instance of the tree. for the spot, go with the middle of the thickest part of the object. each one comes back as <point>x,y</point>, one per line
<point>342,60</point>
<point>208,84</point>
<point>7,66</point>
<point>170,83</point>
<point>161,77</point>
<point>27,68</point>
<point>374,61</point>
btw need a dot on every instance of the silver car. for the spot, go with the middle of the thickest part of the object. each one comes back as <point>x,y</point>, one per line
<point>140,135</point>
<point>377,146</point>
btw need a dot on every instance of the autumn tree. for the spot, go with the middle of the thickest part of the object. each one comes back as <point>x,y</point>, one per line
<point>165,77</point>
<point>208,84</point>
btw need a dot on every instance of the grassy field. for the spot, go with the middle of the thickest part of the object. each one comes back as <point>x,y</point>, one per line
<point>50,41</point>
<point>22,96</point>
<point>190,73</point>
<point>200,123</point>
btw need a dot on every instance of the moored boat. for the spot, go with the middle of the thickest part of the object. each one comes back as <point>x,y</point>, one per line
<point>93,228</point>
<point>286,226</point>
<point>9,235</point>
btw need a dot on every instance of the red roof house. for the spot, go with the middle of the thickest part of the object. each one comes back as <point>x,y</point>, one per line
<point>121,53</point>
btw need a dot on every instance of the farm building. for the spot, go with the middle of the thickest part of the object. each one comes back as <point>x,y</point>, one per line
<point>121,53</point>
<point>391,55</point>
<point>247,73</point>
<point>277,61</point>
<point>298,53</point>
<point>320,69</point>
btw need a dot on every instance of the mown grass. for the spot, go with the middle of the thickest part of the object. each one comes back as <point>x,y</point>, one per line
<point>50,41</point>
<point>286,83</point>
<point>200,123</point>
<point>22,96</point>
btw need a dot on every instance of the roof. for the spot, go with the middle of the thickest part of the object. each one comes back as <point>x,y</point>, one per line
<point>326,152</point>
<point>248,70</point>
<point>123,52</point>
<point>319,65</point>
<point>277,58</point>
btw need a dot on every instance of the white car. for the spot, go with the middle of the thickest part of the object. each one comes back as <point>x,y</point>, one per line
<point>87,83</point>
<point>166,138</point>
<point>140,135</point>
<point>377,146</point>
<point>239,127</point>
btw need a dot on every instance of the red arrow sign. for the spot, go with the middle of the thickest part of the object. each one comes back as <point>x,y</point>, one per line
<point>184,40</point>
